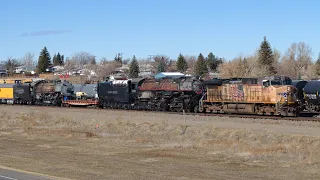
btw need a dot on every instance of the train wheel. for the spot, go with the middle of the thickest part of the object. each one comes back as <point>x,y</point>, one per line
<point>196,109</point>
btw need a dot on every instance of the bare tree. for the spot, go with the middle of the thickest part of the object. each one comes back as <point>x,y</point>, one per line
<point>103,60</point>
<point>227,69</point>
<point>82,58</point>
<point>146,66</point>
<point>242,67</point>
<point>311,73</point>
<point>28,60</point>
<point>238,67</point>
<point>70,64</point>
<point>172,66</point>
<point>10,64</point>
<point>296,60</point>
<point>161,59</point>
<point>191,61</point>
<point>106,69</point>
<point>277,58</point>
<point>125,61</point>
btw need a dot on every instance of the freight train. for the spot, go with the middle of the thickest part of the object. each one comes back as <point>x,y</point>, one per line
<point>275,95</point>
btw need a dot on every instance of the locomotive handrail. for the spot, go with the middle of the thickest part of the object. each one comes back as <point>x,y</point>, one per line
<point>201,102</point>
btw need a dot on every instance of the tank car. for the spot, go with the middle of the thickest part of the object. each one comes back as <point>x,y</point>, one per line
<point>312,96</point>
<point>51,92</point>
<point>171,94</point>
<point>263,96</point>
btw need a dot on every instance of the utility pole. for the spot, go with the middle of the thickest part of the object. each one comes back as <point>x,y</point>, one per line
<point>150,57</point>
<point>119,57</point>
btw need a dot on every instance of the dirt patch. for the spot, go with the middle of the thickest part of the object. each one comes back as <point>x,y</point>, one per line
<point>104,144</point>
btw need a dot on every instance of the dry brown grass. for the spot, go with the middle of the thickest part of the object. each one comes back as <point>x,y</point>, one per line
<point>243,144</point>
<point>86,143</point>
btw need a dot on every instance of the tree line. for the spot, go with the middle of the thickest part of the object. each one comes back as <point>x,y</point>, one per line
<point>296,63</point>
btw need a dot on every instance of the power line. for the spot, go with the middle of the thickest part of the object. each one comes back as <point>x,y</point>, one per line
<point>150,56</point>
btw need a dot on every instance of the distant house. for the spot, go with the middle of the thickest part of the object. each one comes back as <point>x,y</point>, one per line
<point>169,74</point>
<point>146,70</point>
<point>3,71</point>
<point>122,69</point>
<point>24,69</point>
<point>88,72</point>
<point>145,73</point>
<point>2,67</point>
<point>57,68</point>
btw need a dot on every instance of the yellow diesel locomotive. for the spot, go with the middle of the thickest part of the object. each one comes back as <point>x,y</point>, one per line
<point>263,96</point>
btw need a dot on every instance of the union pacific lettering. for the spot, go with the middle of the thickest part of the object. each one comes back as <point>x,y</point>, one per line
<point>112,92</point>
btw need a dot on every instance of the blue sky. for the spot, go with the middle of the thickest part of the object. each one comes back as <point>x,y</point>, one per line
<point>144,27</point>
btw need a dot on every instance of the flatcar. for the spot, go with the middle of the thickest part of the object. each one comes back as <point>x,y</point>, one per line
<point>83,95</point>
<point>88,91</point>
<point>268,96</point>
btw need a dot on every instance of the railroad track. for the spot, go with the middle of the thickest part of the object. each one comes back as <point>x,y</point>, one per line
<point>305,117</point>
<point>300,118</point>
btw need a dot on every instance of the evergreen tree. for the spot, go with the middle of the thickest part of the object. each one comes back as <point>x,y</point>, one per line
<point>213,62</point>
<point>161,67</point>
<point>62,60</point>
<point>182,65</point>
<point>58,60</point>
<point>200,66</point>
<point>118,58</point>
<point>44,60</point>
<point>134,68</point>
<point>318,65</point>
<point>55,60</point>
<point>266,57</point>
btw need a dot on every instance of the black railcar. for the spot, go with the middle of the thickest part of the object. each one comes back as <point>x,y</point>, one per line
<point>312,96</point>
<point>299,85</point>
<point>22,93</point>
<point>115,94</point>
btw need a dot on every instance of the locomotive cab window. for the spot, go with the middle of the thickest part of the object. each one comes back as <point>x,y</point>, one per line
<point>266,83</point>
<point>276,83</point>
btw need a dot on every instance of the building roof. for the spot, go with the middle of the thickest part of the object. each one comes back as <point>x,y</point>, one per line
<point>171,73</point>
